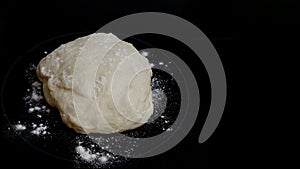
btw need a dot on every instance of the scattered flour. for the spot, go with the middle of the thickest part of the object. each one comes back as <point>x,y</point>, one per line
<point>37,108</point>
<point>85,154</point>
<point>103,159</point>
<point>41,130</point>
<point>35,105</point>
<point>152,64</point>
<point>85,151</point>
<point>36,84</point>
<point>144,53</point>
<point>93,157</point>
<point>36,97</point>
<point>31,109</point>
<point>20,127</point>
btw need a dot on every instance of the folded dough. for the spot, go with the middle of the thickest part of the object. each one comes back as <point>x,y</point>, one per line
<point>99,84</point>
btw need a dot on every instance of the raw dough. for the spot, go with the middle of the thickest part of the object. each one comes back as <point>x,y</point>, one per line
<point>99,84</point>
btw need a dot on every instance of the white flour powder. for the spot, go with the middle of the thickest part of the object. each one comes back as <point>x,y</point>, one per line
<point>39,130</point>
<point>20,127</point>
<point>85,154</point>
<point>88,151</point>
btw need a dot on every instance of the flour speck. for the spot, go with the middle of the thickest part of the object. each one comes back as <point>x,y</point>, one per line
<point>144,53</point>
<point>30,110</point>
<point>40,130</point>
<point>103,159</point>
<point>85,154</point>
<point>20,127</point>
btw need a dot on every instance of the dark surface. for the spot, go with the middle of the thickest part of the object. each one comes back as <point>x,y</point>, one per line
<point>255,41</point>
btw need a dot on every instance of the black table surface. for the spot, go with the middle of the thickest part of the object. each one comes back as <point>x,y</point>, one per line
<point>254,40</point>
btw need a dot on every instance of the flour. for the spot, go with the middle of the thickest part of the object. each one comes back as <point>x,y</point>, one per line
<point>37,108</point>
<point>34,128</point>
<point>144,53</point>
<point>35,105</point>
<point>20,127</point>
<point>85,154</point>
<point>36,97</point>
<point>88,152</point>
<point>159,100</point>
<point>152,64</point>
<point>103,159</point>
<point>40,130</point>
<point>30,110</point>
<point>90,155</point>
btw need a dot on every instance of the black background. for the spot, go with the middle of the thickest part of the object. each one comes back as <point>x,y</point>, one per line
<point>256,41</point>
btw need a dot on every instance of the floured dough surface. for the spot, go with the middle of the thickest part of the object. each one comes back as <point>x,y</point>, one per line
<point>99,84</point>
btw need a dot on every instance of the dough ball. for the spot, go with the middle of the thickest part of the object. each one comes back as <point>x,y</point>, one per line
<point>99,84</point>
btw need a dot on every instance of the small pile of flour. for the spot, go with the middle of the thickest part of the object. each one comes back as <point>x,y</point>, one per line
<point>92,156</point>
<point>34,128</point>
<point>19,127</point>
<point>85,154</point>
<point>40,130</point>
<point>159,100</point>
<point>35,106</point>
<point>144,53</point>
<point>34,97</point>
